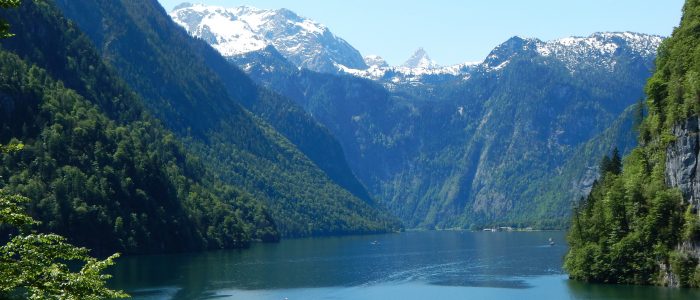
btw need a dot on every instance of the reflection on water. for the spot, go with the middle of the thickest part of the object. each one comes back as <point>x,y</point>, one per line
<point>414,265</point>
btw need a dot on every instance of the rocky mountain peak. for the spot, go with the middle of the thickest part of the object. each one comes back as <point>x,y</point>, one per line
<point>239,30</point>
<point>420,59</point>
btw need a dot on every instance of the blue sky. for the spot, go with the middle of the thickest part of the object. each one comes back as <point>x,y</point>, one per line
<point>454,31</point>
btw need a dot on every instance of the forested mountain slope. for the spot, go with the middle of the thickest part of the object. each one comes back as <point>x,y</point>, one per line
<point>97,167</point>
<point>200,73</point>
<point>171,70</point>
<point>115,172</point>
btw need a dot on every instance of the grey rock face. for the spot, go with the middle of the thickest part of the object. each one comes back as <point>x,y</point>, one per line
<point>682,172</point>
<point>682,161</point>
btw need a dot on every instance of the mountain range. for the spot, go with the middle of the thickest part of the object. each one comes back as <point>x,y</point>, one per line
<point>598,50</point>
<point>430,142</point>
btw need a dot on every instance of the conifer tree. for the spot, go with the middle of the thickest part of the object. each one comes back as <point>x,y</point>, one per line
<point>615,162</point>
<point>4,26</point>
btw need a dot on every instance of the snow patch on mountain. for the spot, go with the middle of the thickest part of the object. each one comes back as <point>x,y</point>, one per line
<point>239,30</point>
<point>600,49</point>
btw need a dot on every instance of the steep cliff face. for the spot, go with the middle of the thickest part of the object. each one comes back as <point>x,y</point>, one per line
<point>682,161</point>
<point>682,172</point>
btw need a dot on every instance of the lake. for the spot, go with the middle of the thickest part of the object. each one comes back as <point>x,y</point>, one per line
<point>440,265</point>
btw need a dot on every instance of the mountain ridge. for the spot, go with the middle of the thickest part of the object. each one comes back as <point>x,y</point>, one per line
<point>576,52</point>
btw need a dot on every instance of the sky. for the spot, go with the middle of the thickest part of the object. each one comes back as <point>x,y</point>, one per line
<point>456,31</point>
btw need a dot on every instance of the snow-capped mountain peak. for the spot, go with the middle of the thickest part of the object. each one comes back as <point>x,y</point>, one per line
<point>420,60</point>
<point>600,49</point>
<point>239,30</point>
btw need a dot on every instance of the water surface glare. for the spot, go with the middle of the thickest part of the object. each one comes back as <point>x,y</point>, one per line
<point>440,265</point>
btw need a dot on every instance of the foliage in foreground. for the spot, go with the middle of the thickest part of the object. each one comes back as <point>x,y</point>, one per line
<point>43,266</point>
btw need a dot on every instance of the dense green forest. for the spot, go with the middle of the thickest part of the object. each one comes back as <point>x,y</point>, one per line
<point>291,163</point>
<point>633,227</point>
<point>96,165</point>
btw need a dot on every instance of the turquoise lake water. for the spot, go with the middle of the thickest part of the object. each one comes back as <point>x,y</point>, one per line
<point>440,265</point>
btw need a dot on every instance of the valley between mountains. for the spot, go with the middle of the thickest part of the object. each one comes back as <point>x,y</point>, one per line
<point>501,142</point>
